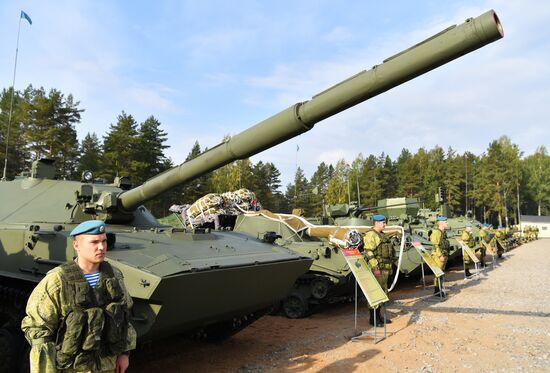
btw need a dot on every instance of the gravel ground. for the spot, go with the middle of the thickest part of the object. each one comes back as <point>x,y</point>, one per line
<point>497,322</point>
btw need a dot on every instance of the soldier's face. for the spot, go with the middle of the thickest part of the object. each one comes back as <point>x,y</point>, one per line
<point>91,248</point>
<point>443,224</point>
<point>468,229</point>
<point>379,225</point>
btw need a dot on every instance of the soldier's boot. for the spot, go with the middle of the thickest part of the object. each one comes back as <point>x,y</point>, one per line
<point>379,322</point>
<point>467,272</point>
<point>380,317</point>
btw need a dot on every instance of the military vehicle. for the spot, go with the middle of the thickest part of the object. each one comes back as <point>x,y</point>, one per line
<point>419,222</point>
<point>329,280</point>
<point>183,281</point>
<point>406,212</point>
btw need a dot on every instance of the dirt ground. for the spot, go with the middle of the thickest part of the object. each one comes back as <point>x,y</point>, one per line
<point>499,322</point>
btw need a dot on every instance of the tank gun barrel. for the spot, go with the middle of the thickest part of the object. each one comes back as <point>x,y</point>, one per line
<point>374,208</point>
<point>433,52</point>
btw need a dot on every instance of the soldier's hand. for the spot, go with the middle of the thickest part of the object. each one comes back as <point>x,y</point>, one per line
<point>377,273</point>
<point>122,363</point>
<point>442,258</point>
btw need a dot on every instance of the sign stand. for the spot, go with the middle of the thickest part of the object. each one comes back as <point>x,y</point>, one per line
<point>370,334</point>
<point>364,278</point>
<point>466,250</point>
<point>426,258</point>
<point>493,254</point>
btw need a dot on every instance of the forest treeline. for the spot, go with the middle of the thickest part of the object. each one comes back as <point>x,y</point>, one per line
<point>43,125</point>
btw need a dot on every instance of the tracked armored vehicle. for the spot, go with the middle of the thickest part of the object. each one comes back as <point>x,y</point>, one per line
<point>186,281</point>
<point>329,280</point>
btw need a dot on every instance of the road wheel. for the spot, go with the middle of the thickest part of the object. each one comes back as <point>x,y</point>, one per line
<point>319,288</point>
<point>295,306</point>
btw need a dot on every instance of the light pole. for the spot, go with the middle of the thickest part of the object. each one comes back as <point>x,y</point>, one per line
<point>358,191</point>
<point>466,192</point>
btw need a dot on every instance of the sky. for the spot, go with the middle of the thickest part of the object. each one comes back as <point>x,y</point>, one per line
<point>206,69</point>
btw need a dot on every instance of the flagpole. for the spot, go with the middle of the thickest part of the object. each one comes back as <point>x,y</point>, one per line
<point>11,102</point>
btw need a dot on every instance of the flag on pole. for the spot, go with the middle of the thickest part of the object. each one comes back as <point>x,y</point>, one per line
<point>26,16</point>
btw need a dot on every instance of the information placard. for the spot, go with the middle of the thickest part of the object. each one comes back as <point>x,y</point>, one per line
<point>427,257</point>
<point>365,278</point>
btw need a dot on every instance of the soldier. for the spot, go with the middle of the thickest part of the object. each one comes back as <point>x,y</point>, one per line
<point>78,316</point>
<point>440,251</point>
<point>468,239</point>
<point>499,241</point>
<point>379,254</point>
<point>527,232</point>
<point>536,233</point>
<point>489,235</point>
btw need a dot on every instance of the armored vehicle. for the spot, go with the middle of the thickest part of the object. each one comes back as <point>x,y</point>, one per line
<point>329,279</point>
<point>182,281</point>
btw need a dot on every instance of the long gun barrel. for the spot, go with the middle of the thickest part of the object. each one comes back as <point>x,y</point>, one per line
<point>433,52</point>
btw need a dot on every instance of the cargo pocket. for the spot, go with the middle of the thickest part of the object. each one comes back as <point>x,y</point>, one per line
<point>116,327</point>
<point>96,321</point>
<point>114,289</point>
<point>69,338</point>
<point>83,294</point>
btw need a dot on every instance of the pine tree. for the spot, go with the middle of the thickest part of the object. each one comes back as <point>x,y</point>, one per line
<point>408,174</point>
<point>388,176</point>
<point>319,184</point>
<point>49,130</point>
<point>299,193</point>
<point>120,149</point>
<point>338,185</point>
<point>151,141</point>
<point>196,188</point>
<point>537,169</point>
<point>91,153</point>
<point>18,155</point>
<point>453,178</point>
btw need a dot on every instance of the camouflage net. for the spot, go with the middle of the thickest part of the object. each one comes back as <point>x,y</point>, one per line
<point>208,208</point>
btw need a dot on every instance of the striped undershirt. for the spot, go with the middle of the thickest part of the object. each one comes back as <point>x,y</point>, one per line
<point>92,278</point>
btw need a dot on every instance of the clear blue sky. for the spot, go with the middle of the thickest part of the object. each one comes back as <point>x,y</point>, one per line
<point>210,68</point>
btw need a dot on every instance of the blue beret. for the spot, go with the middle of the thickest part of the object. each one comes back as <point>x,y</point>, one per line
<point>378,218</point>
<point>468,225</point>
<point>89,227</point>
<point>500,226</point>
<point>441,218</point>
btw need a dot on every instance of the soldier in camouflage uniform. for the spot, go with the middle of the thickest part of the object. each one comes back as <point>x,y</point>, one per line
<point>487,236</point>
<point>78,316</point>
<point>500,235</point>
<point>527,233</point>
<point>468,238</point>
<point>378,252</point>
<point>440,251</point>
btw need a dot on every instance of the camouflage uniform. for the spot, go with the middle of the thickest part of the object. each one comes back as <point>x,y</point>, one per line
<point>73,327</point>
<point>440,248</point>
<point>468,239</point>
<point>499,241</point>
<point>379,254</point>
<point>483,250</point>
